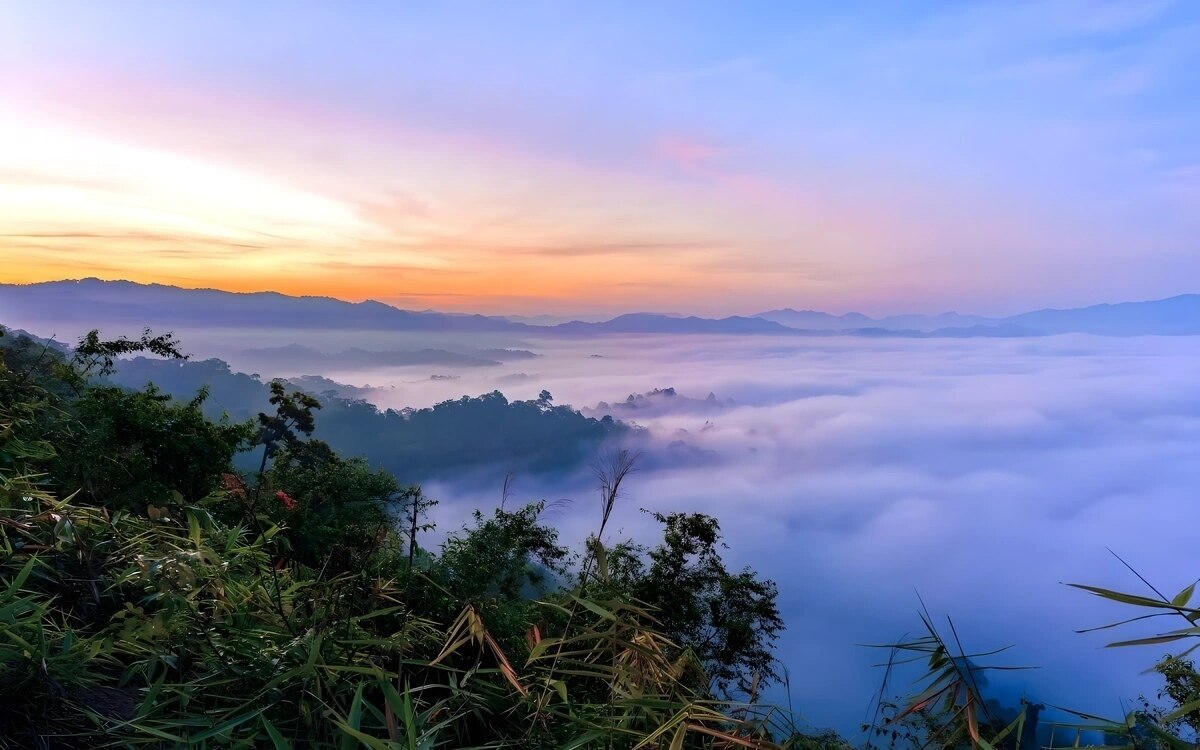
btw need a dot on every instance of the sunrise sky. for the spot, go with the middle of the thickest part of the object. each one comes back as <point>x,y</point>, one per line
<point>601,157</point>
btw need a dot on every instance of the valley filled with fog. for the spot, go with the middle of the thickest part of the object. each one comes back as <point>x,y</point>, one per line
<point>330,331</point>
<point>979,473</point>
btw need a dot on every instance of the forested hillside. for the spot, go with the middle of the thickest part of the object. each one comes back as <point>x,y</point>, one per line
<point>487,434</point>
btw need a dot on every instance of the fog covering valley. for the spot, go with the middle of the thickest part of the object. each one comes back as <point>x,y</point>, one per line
<point>330,331</point>
<point>977,473</point>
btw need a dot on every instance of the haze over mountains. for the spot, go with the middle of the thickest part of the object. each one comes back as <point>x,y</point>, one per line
<point>129,303</point>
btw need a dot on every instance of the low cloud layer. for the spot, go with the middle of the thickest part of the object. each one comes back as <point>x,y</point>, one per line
<point>857,473</point>
<point>979,474</point>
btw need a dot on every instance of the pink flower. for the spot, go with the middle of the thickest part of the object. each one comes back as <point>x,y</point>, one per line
<point>287,500</point>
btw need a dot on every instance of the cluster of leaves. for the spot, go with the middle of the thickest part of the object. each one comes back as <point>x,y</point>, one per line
<point>150,595</point>
<point>950,709</point>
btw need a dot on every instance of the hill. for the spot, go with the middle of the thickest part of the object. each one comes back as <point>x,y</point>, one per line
<point>81,303</point>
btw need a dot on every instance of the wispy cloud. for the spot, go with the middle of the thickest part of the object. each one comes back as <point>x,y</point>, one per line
<point>646,249</point>
<point>937,154</point>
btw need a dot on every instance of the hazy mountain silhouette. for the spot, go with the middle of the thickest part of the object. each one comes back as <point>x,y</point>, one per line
<point>659,323</point>
<point>162,305</point>
<point>1001,330</point>
<point>483,435</point>
<point>1172,316</point>
<point>816,319</point>
<point>90,302</point>
<point>1178,315</point>
<point>854,321</point>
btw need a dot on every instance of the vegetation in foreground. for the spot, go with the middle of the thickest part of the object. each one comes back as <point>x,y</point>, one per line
<point>150,595</point>
<point>153,596</point>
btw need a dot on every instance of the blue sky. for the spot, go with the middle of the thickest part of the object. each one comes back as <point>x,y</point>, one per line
<point>551,156</point>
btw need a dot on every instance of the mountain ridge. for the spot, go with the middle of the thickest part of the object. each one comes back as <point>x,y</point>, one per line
<point>89,299</point>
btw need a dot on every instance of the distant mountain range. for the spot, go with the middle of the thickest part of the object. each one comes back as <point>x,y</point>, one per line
<point>825,321</point>
<point>658,323</point>
<point>1172,316</point>
<point>158,304</point>
<point>89,302</point>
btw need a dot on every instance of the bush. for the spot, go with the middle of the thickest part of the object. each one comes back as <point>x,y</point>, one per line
<point>151,596</point>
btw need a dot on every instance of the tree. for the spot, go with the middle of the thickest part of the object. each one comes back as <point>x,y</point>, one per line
<point>95,354</point>
<point>333,508</point>
<point>729,619</point>
<point>501,565</point>
<point>1181,687</point>
<point>293,417</point>
<point>126,449</point>
<point>505,557</point>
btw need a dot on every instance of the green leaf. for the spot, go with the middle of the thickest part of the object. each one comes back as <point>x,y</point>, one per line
<point>354,718</point>
<point>22,576</point>
<point>596,608</point>
<point>1139,601</point>
<point>366,739</point>
<point>583,740</point>
<point>277,738</point>
<point>1180,712</point>
<point>194,529</point>
<point>1183,597</point>
<point>1149,641</point>
<point>225,726</point>
<point>181,742</point>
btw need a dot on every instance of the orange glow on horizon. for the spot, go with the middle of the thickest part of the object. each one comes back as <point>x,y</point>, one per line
<point>458,234</point>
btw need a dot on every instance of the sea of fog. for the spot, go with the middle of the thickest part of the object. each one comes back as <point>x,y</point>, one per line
<point>980,474</point>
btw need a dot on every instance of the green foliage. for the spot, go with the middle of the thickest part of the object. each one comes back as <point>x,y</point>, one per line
<point>1181,690</point>
<point>127,449</point>
<point>293,417</point>
<point>93,355</point>
<point>150,596</point>
<point>507,557</point>
<point>466,433</point>
<point>949,709</point>
<point>729,619</point>
<point>413,444</point>
<point>337,505</point>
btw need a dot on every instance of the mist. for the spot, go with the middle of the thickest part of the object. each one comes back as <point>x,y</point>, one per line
<point>865,476</point>
<point>979,474</point>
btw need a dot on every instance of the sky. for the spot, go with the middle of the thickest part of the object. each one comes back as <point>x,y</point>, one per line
<point>709,158</point>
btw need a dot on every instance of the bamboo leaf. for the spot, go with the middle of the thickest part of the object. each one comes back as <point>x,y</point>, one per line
<point>225,726</point>
<point>1150,641</point>
<point>1134,599</point>
<point>595,608</point>
<point>277,738</point>
<point>1183,597</point>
